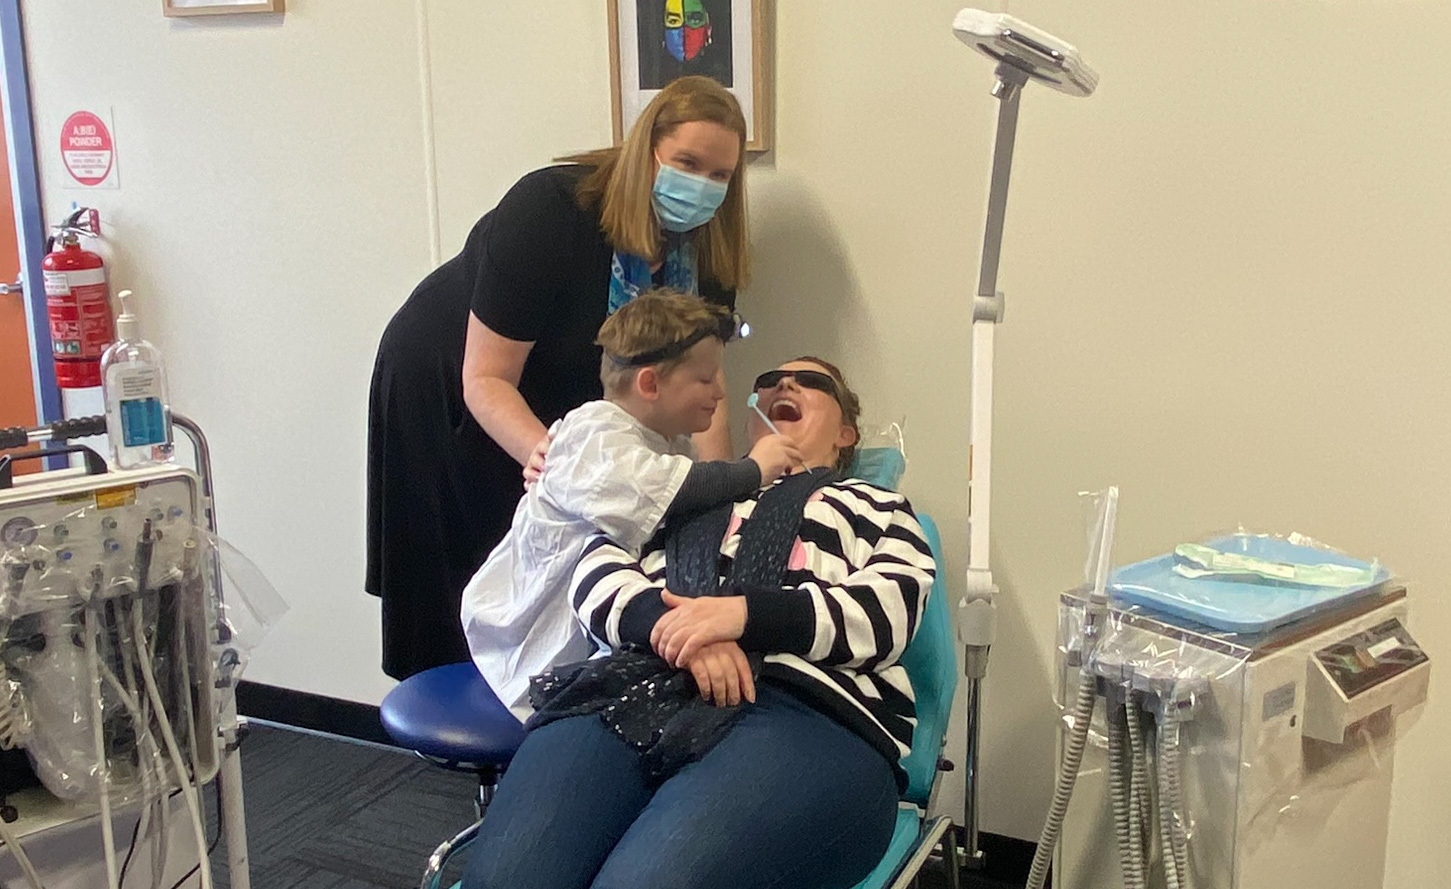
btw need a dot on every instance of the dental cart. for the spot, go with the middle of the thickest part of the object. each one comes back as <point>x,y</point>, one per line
<point>116,669</point>
<point>1252,754</point>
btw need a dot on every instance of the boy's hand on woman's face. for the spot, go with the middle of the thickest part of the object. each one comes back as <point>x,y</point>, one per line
<point>776,455</point>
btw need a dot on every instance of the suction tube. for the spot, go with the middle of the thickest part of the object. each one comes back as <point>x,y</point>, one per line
<point>13,844</point>
<point>1100,558</point>
<point>1174,836</point>
<point>1067,777</point>
<point>1141,803</point>
<point>98,730</point>
<point>1120,775</point>
<point>188,788</point>
<point>150,761</point>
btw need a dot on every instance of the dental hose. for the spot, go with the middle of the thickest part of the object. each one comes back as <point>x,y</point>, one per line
<point>152,768</point>
<point>147,753</point>
<point>129,686</point>
<point>98,729</point>
<point>154,783</point>
<point>1067,777</point>
<point>1082,713</point>
<point>1121,788</point>
<point>159,850</point>
<point>152,774</point>
<point>148,674</point>
<point>12,843</point>
<point>162,807</point>
<point>188,788</point>
<point>1174,838</point>
<point>1166,825</point>
<point>192,593</point>
<point>1141,805</point>
<point>191,582</point>
<point>13,719</point>
<point>1119,779</point>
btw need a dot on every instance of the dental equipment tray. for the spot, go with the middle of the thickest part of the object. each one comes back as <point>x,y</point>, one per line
<point>68,538</point>
<point>1237,606</point>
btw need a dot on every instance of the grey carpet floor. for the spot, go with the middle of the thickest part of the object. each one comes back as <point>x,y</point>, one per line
<point>325,813</point>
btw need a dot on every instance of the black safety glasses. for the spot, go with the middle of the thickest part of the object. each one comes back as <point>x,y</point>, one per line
<point>807,379</point>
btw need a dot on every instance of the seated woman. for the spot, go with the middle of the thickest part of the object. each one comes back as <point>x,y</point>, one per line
<point>744,726</point>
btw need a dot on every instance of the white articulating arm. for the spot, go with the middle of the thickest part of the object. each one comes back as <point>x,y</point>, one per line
<point>977,611</point>
<point>1022,53</point>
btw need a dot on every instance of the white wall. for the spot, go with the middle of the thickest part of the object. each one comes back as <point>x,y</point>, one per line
<point>1222,274</point>
<point>271,215</point>
<point>515,85</point>
<point>1228,269</point>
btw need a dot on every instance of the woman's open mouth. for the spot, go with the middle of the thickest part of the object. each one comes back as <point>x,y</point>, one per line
<point>784,410</point>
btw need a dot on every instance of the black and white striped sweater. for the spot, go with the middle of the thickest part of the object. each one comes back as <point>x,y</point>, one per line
<point>856,581</point>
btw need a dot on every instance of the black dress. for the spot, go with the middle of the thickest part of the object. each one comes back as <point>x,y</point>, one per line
<point>441,493</point>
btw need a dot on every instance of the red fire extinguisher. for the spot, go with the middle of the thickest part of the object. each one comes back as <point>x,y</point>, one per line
<point>78,303</point>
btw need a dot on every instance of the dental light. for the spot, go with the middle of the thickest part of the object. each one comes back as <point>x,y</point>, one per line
<point>1022,53</point>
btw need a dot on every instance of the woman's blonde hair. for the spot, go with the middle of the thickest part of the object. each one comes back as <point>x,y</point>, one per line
<point>623,178</point>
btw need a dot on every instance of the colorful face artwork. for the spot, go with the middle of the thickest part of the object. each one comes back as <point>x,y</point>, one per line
<point>687,28</point>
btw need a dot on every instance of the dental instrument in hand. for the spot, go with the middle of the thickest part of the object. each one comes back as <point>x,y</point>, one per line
<point>754,403</point>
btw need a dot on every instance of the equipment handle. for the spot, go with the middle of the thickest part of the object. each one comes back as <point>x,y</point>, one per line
<point>77,427</point>
<point>95,463</point>
<point>59,431</point>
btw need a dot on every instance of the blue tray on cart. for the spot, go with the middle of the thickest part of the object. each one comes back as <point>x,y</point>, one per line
<point>1239,606</point>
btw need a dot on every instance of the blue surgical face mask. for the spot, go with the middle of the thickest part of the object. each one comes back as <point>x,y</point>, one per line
<point>684,201</point>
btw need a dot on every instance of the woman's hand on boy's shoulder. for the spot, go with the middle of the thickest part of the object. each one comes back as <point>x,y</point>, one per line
<point>535,467</point>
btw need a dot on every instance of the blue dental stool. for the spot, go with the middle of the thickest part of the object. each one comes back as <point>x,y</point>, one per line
<point>449,716</point>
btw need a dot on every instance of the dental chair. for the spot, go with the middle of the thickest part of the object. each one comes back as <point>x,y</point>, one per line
<point>449,716</point>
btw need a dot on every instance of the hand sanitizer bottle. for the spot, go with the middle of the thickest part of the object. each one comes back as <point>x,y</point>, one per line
<point>138,416</point>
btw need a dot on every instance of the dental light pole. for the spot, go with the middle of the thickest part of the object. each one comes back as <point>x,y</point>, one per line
<point>1022,53</point>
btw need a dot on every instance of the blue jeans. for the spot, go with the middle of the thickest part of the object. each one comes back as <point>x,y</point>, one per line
<point>789,799</point>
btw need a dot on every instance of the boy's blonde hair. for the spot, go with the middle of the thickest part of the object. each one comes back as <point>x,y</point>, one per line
<point>621,184</point>
<point>650,322</point>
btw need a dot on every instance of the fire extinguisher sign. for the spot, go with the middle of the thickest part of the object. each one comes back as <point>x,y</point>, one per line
<point>88,150</point>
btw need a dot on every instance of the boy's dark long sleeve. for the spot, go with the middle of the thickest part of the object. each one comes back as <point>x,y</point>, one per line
<point>714,482</point>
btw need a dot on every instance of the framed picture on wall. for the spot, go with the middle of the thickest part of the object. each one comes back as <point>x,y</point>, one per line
<point>652,42</point>
<point>218,7</point>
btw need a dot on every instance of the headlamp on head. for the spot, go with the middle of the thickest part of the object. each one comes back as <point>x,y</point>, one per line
<point>729,327</point>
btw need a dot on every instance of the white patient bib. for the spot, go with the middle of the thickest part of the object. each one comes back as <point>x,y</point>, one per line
<point>605,473</point>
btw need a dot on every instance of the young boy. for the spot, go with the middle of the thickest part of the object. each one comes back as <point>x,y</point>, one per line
<point>623,466</point>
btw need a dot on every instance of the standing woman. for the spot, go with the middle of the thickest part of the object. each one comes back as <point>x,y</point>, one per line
<point>537,277</point>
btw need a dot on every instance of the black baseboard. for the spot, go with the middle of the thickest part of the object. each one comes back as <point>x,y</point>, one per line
<point>318,713</point>
<point>1007,859</point>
